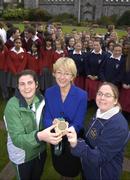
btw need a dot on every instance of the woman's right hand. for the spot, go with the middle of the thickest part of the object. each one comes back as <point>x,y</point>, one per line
<point>72,136</point>
<point>48,136</point>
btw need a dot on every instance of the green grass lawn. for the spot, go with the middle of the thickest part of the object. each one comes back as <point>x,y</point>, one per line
<point>68,29</point>
<point>2,107</point>
<point>3,150</point>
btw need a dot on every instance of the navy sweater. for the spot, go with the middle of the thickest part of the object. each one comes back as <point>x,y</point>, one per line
<point>101,152</point>
<point>93,63</point>
<point>112,70</point>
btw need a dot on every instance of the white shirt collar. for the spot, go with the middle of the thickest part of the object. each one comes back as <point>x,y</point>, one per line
<point>70,48</point>
<point>18,52</point>
<point>118,58</point>
<point>48,48</point>
<point>100,52</point>
<point>11,38</point>
<point>108,114</point>
<point>59,51</point>
<point>34,38</point>
<point>75,52</point>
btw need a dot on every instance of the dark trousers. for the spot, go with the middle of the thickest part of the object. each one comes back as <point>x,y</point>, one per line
<point>33,169</point>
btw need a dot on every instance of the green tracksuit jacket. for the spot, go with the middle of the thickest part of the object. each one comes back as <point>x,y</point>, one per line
<point>22,124</point>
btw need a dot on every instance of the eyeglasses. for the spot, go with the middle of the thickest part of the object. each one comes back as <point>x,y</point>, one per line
<point>65,74</point>
<point>106,95</point>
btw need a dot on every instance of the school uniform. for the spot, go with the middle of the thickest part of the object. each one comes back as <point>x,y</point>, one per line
<point>70,50</point>
<point>79,59</point>
<point>125,94</point>
<point>33,62</point>
<point>45,67</point>
<point>112,70</point>
<point>92,66</point>
<point>4,72</point>
<point>38,40</point>
<point>26,43</point>
<point>59,53</point>
<point>10,43</point>
<point>17,61</point>
<point>40,35</point>
<point>102,151</point>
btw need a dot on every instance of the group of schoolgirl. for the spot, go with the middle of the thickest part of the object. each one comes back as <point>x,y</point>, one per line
<point>97,59</point>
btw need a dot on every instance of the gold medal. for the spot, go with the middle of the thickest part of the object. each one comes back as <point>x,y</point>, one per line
<point>61,126</point>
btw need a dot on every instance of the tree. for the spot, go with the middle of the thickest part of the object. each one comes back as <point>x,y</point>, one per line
<point>124,19</point>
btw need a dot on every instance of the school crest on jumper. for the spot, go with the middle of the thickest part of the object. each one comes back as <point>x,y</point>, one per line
<point>93,133</point>
<point>99,61</point>
<point>117,65</point>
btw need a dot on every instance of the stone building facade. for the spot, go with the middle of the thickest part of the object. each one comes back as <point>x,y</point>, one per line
<point>83,9</point>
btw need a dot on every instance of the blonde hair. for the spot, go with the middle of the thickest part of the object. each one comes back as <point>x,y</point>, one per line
<point>67,64</point>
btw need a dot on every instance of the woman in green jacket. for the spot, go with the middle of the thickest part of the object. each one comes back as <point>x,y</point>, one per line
<point>26,137</point>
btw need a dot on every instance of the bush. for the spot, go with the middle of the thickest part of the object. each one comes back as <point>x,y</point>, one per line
<point>15,14</point>
<point>124,19</point>
<point>65,18</point>
<point>39,15</point>
<point>107,20</point>
<point>26,14</point>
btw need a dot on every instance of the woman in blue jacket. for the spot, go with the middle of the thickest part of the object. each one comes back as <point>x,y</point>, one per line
<point>101,152</point>
<point>68,102</point>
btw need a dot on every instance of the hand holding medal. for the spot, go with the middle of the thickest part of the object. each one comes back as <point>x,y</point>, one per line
<point>61,125</point>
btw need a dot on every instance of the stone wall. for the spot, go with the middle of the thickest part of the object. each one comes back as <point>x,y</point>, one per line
<point>89,9</point>
<point>57,7</point>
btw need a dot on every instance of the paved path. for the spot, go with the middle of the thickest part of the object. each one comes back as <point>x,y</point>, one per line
<point>2,125</point>
<point>8,172</point>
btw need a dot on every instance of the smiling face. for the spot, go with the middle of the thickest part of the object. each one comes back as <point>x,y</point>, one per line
<point>105,98</point>
<point>63,77</point>
<point>27,87</point>
<point>96,46</point>
<point>117,51</point>
<point>18,43</point>
<point>71,42</point>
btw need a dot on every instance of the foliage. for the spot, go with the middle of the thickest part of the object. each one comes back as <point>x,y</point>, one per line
<point>26,14</point>
<point>107,20</point>
<point>15,14</point>
<point>38,15</point>
<point>127,150</point>
<point>125,175</point>
<point>65,18</point>
<point>124,19</point>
